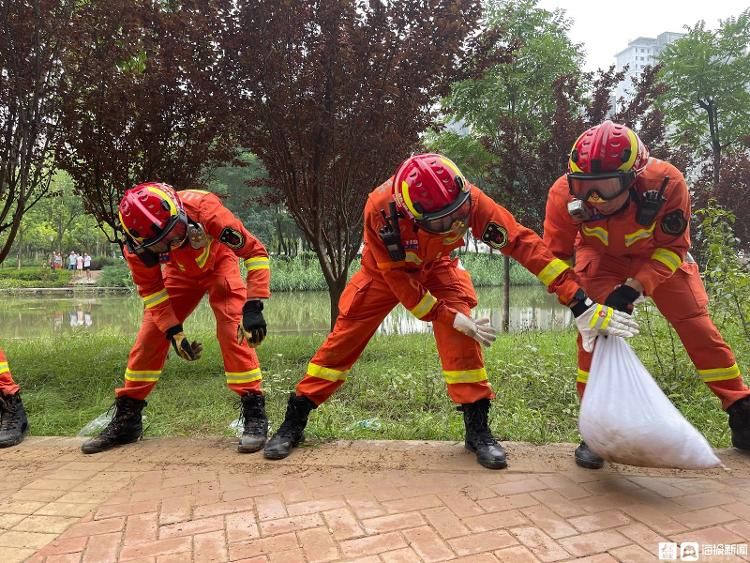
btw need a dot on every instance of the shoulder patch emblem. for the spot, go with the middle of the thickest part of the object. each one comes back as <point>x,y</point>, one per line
<point>233,239</point>
<point>495,235</point>
<point>674,223</point>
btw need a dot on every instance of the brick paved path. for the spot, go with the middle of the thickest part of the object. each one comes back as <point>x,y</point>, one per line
<point>176,500</point>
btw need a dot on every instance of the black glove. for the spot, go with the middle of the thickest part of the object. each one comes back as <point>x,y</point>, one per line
<point>622,298</point>
<point>182,345</point>
<point>253,325</point>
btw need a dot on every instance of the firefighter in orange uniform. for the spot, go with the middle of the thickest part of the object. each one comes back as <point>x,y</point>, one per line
<point>412,222</point>
<point>180,246</point>
<point>626,217</point>
<point>13,422</point>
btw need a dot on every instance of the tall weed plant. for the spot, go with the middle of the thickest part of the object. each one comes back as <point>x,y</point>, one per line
<point>726,273</point>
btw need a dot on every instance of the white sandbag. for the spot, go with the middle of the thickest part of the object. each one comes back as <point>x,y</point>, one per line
<point>626,418</point>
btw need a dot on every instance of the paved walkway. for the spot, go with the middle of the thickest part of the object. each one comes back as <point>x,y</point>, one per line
<point>177,500</point>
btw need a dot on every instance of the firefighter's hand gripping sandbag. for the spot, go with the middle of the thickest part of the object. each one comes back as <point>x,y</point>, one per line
<point>626,418</point>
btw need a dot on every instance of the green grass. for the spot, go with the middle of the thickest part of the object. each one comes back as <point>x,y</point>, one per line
<point>303,273</point>
<point>68,382</point>
<point>33,276</point>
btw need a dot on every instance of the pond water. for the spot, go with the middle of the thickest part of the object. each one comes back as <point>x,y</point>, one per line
<point>292,313</point>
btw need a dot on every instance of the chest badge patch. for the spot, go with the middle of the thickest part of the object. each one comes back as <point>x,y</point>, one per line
<point>233,239</point>
<point>674,223</point>
<point>495,235</point>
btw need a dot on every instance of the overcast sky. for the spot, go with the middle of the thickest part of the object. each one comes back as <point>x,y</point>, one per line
<point>605,28</point>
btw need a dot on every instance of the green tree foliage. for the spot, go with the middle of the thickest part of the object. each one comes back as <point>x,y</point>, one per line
<point>247,193</point>
<point>34,36</point>
<point>147,102</point>
<point>707,99</point>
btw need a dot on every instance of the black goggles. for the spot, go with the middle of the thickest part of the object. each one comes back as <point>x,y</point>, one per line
<point>173,236</point>
<point>598,188</point>
<point>443,221</point>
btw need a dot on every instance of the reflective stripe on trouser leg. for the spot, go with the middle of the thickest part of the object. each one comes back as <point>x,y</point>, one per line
<point>364,304</point>
<point>460,355</point>
<point>226,295</point>
<point>7,385</point>
<point>149,352</point>
<point>683,301</point>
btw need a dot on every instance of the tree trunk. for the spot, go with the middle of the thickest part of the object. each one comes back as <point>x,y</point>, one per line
<point>334,292</point>
<point>506,294</point>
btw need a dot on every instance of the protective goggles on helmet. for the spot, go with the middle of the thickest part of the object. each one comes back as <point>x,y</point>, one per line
<point>444,221</point>
<point>598,188</point>
<point>173,236</point>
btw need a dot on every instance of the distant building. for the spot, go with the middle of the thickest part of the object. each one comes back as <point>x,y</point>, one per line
<point>639,54</point>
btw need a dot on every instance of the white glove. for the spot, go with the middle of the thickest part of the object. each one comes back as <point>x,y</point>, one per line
<point>480,330</point>
<point>600,319</point>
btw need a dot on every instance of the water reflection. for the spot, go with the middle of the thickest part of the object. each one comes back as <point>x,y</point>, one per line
<point>301,312</point>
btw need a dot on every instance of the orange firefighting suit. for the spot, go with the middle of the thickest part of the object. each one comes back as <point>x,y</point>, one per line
<point>7,385</point>
<point>609,250</point>
<point>171,292</point>
<point>432,287</point>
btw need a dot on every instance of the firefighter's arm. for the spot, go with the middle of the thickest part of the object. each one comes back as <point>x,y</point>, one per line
<point>150,285</point>
<point>560,230</point>
<point>671,237</point>
<point>225,228</point>
<point>404,284</point>
<point>496,227</point>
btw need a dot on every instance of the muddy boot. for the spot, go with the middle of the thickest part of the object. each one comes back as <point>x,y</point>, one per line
<point>292,431</point>
<point>479,438</point>
<point>13,424</point>
<point>255,423</point>
<point>739,423</point>
<point>586,458</point>
<point>125,427</point>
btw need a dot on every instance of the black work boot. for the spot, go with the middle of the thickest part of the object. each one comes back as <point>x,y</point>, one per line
<point>586,458</point>
<point>292,431</point>
<point>739,423</point>
<point>256,423</point>
<point>125,427</point>
<point>479,438</point>
<point>13,424</point>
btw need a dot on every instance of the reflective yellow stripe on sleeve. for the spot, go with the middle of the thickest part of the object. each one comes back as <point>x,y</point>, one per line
<point>465,376</point>
<point>424,306</point>
<point>4,368</point>
<point>235,377</point>
<point>257,263</point>
<point>155,298</point>
<point>329,374</point>
<point>670,259</point>
<point>142,375</point>
<point>719,374</point>
<point>550,272</point>
<point>583,376</point>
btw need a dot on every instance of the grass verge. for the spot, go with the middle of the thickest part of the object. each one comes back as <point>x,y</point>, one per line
<point>68,382</point>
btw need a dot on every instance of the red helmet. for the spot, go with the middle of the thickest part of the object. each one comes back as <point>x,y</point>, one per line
<point>153,217</point>
<point>430,189</point>
<point>605,162</point>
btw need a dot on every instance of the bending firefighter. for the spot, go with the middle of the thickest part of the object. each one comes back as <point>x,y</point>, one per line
<point>180,246</point>
<point>412,222</point>
<point>13,422</point>
<point>625,216</point>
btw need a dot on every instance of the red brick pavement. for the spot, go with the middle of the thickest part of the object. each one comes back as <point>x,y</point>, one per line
<point>178,500</point>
